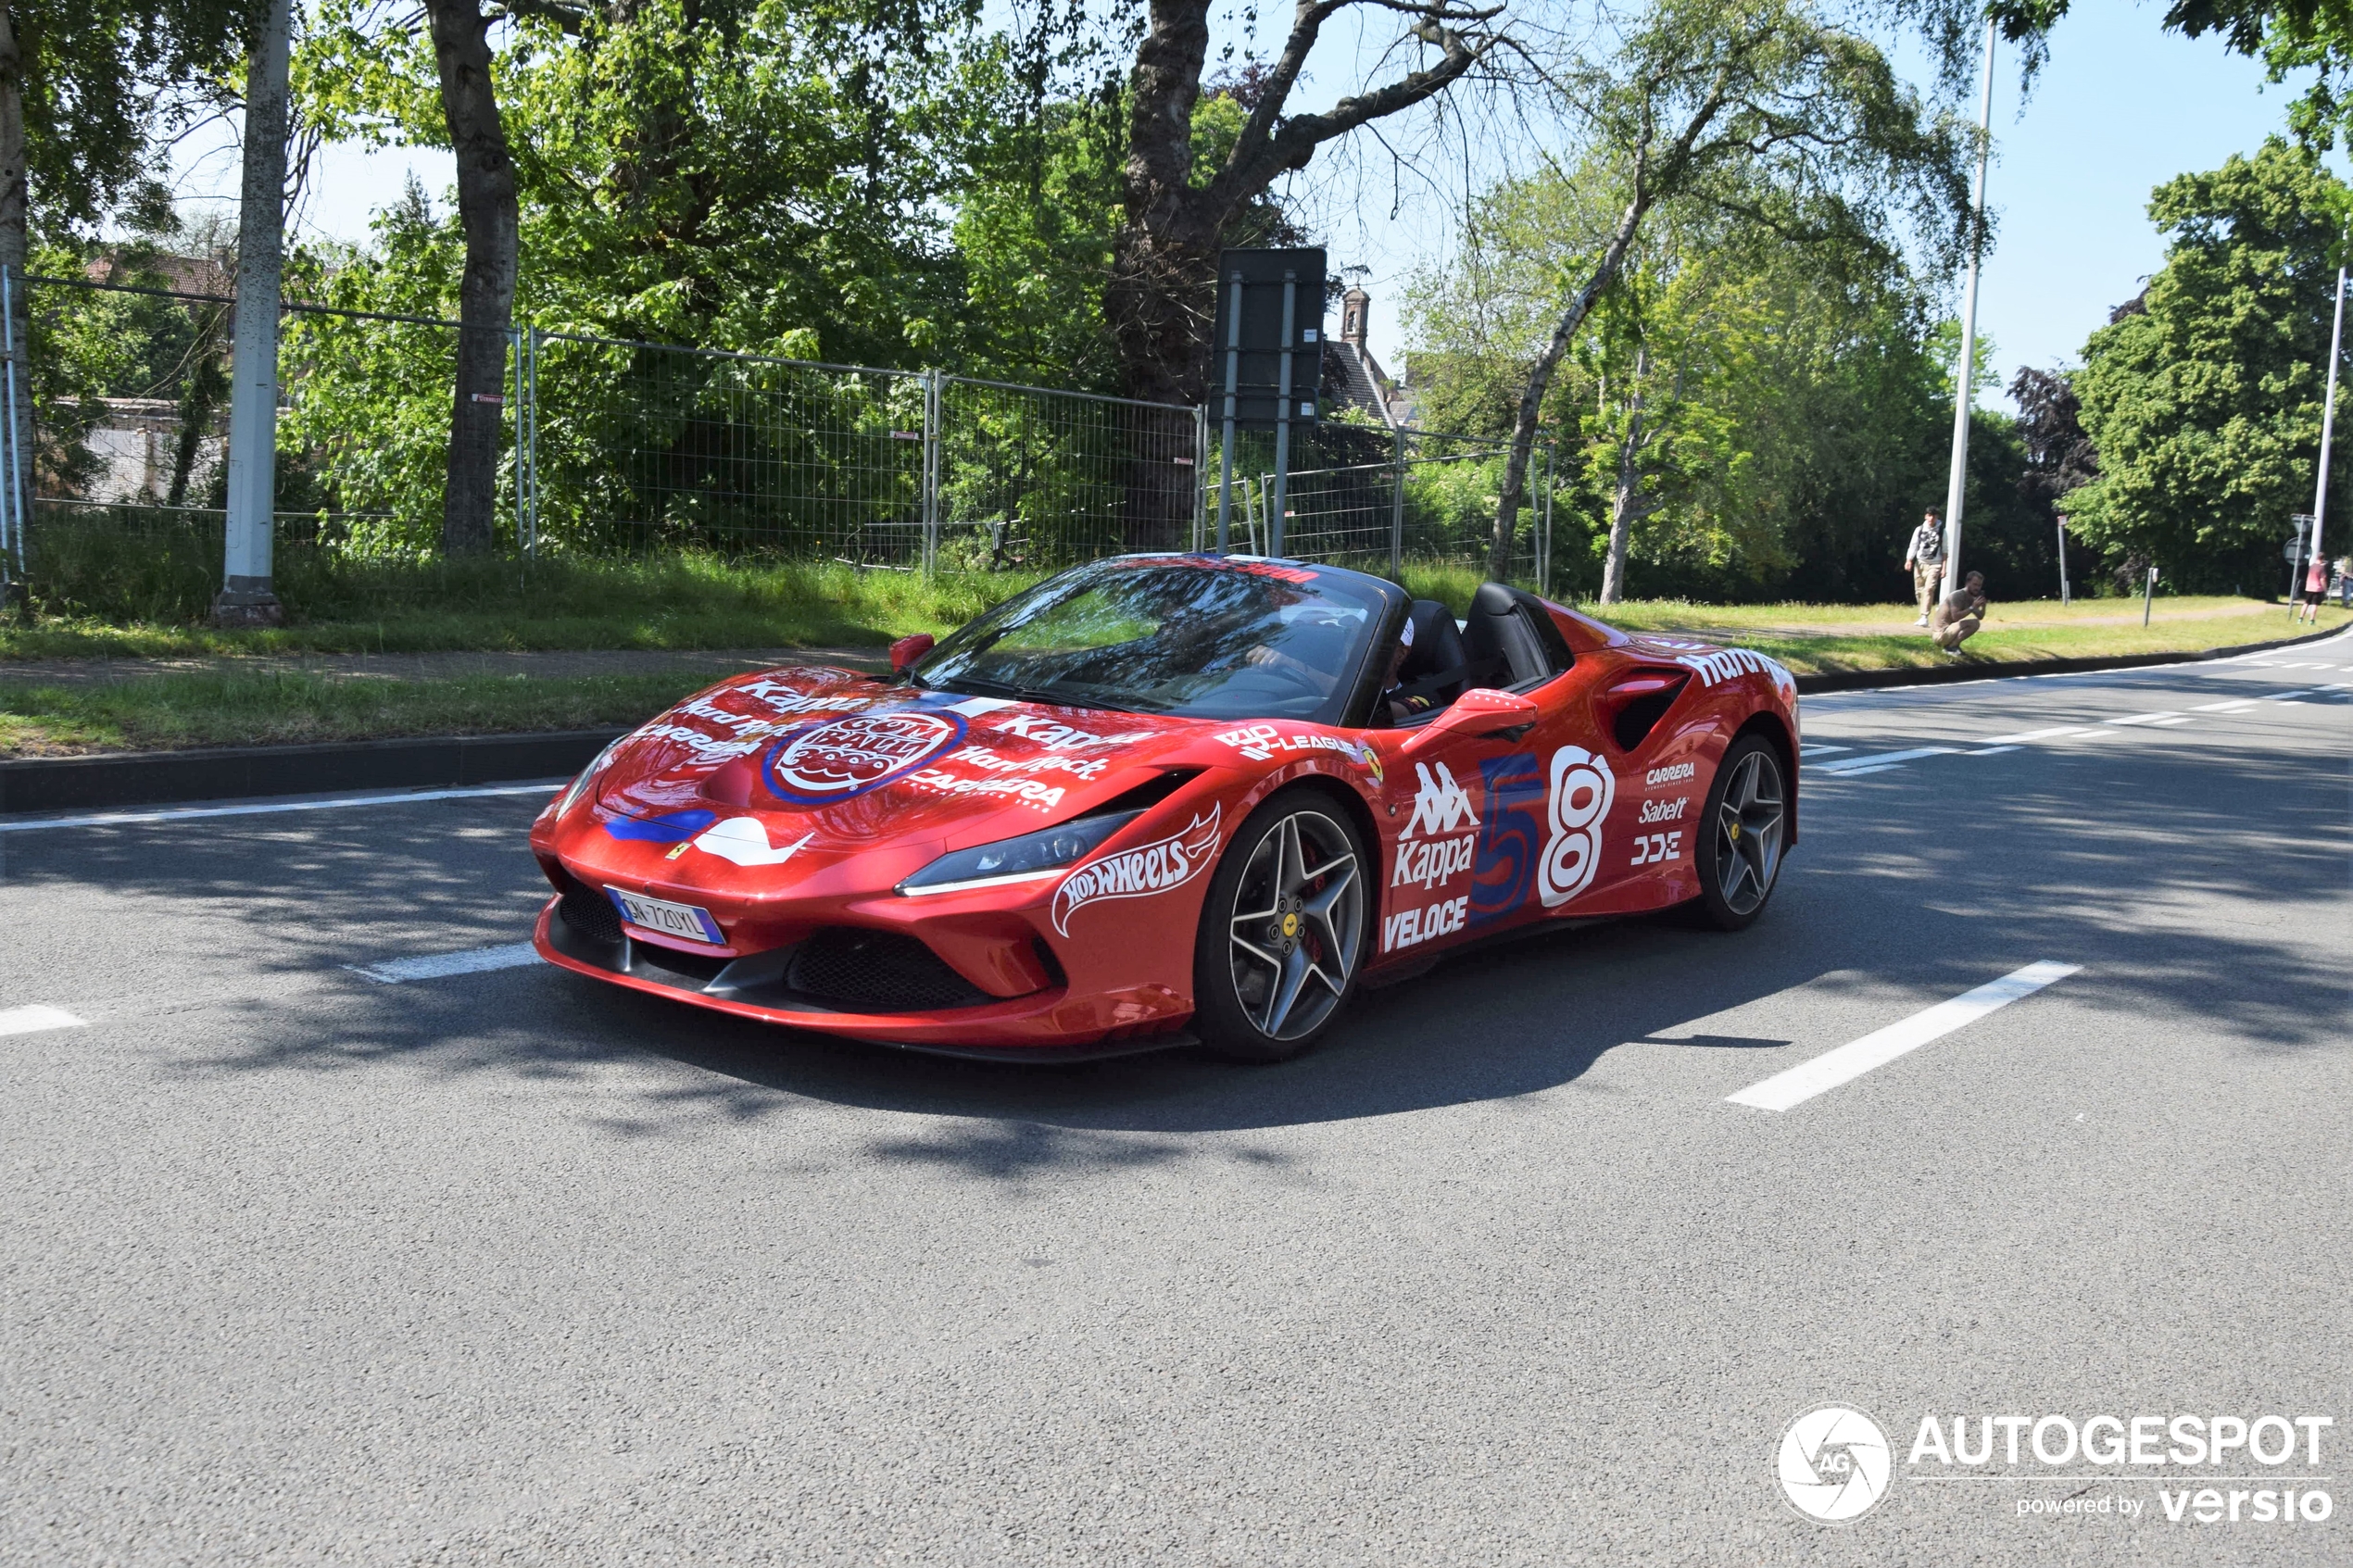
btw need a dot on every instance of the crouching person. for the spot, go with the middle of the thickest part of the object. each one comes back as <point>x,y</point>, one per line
<point>1959,614</point>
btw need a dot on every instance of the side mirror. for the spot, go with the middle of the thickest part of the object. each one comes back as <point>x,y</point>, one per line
<point>906,650</point>
<point>1482,711</point>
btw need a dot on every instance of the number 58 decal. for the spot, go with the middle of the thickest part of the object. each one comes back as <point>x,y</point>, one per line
<point>1654,846</point>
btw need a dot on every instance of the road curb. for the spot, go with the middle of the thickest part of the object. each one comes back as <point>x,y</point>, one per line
<point>1941,674</point>
<point>148,778</point>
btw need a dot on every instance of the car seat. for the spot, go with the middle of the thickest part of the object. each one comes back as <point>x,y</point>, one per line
<point>1501,647</point>
<point>1435,668</point>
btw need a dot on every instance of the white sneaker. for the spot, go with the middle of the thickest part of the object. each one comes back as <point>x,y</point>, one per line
<point>1921,622</point>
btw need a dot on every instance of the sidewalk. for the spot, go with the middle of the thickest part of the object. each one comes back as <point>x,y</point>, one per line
<point>563,663</point>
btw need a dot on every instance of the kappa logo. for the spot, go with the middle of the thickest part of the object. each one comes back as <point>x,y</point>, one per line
<point>846,757</point>
<point>1440,860</point>
<point>1132,873</point>
<point>1061,737</point>
<point>1439,805</point>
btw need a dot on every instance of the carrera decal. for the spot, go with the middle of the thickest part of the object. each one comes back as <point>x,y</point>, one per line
<point>1672,773</point>
<point>674,827</point>
<point>1503,871</point>
<point>1029,792</point>
<point>1132,873</point>
<point>1575,807</point>
<point>743,841</point>
<point>843,759</point>
<point>1410,927</point>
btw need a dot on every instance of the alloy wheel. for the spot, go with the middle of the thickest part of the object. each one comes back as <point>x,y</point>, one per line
<point>1297,926</point>
<point>1748,829</point>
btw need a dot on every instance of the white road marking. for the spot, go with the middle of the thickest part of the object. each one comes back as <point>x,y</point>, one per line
<point>1859,772</point>
<point>178,813</point>
<point>2146,718</point>
<point>436,966</point>
<point>2035,734</point>
<point>32,1020</point>
<point>2231,706</point>
<point>1881,1047</point>
<point>1816,748</point>
<point>1991,751</point>
<point>1878,759</point>
<point>2283,697</point>
<point>2169,723</point>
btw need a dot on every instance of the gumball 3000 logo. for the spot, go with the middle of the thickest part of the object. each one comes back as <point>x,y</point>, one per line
<point>1575,809</point>
<point>848,757</point>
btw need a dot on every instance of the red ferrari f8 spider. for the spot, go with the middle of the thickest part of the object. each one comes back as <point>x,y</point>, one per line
<point>1167,798</point>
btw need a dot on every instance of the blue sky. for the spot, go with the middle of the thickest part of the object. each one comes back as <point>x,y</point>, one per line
<point>2121,107</point>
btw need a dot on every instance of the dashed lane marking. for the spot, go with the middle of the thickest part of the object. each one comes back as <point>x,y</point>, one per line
<point>438,966</point>
<point>1881,1047</point>
<point>1878,759</point>
<point>2234,706</point>
<point>2169,723</point>
<point>2161,715</point>
<point>32,1020</point>
<point>2034,735</point>
<point>179,813</point>
<point>1816,748</point>
<point>1992,750</point>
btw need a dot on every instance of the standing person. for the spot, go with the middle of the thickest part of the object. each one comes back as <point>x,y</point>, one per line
<point>1959,614</point>
<point>2345,582</point>
<point>1925,558</point>
<point>2316,587</point>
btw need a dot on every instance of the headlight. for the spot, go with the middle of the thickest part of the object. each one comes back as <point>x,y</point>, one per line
<point>1032,856</point>
<point>572,791</point>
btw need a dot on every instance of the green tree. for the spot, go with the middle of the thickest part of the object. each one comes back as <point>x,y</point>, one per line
<point>2203,396</point>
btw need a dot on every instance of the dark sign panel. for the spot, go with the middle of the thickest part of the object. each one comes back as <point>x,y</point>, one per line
<point>1257,386</point>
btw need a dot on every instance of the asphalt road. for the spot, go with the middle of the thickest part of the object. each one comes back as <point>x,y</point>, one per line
<point>302,1267</point>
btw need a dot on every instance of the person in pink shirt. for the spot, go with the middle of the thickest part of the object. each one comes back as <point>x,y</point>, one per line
<point>2316,587</point>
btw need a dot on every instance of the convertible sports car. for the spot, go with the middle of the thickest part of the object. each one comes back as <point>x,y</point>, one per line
<point>1162,799</point>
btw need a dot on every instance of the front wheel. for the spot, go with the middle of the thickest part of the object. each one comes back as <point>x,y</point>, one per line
<point>1741,835</point>
<point>1282,931</point>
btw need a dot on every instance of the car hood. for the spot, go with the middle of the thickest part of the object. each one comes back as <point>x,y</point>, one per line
<point>836,764</point>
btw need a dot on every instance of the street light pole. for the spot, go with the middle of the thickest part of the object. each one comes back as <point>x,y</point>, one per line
<point>1964,374</point>
<point>246,597</point>
<point>2328,428</point>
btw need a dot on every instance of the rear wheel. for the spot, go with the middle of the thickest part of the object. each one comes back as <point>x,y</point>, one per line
<point>1741,835</point>
<point>1282,931</point>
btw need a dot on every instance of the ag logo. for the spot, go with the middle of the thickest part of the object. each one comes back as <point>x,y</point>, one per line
<point>848,757</point>
<point>1835,1464</point>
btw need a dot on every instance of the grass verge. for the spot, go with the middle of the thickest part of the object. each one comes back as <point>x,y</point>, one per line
<point>245,708</point>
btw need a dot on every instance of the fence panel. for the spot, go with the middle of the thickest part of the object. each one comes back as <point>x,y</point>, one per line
<point>1039,478</point>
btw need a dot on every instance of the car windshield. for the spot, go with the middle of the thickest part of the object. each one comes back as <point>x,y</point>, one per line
<point>1190,635</point>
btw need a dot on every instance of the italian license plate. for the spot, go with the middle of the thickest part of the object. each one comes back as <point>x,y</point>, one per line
<point>671,920</point>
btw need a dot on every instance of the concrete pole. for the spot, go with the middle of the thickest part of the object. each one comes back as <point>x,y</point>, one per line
<point>246,597</point>
<point>2328,430</point>
<point>1964,374</point>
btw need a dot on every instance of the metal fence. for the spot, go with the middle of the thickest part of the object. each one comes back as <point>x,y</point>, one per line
<point>614,447</point>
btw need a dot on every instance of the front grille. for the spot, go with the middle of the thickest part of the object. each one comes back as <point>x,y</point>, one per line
<point>877,971</point>
<point>590,913</point>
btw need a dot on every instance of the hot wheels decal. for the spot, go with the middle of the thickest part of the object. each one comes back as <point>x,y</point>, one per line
<point>1578,801</point>
<point>1131,873</point>
<point>1503,871</point>
<point>846,757</point>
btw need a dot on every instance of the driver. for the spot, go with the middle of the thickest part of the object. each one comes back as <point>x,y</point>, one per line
<point>1401,708</point>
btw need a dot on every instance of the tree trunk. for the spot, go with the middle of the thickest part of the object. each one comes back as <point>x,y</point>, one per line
<point>1626,504</point>
<point>487,212</point>
<point>1539,381</point>
<point>13,250</point>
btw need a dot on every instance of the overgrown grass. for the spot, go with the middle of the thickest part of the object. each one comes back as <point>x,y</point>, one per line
<point>109,593</point>
<point>263,707</point>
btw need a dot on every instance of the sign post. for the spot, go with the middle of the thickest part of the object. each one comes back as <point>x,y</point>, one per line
<point>2328,428</point>
<point>1270,333</point>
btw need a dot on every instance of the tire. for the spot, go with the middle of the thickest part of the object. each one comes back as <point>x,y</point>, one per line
<point>1283,930</point>
<point>1742,835</point>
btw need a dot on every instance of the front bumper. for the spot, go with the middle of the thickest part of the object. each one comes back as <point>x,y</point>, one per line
<point>1045,1025</point>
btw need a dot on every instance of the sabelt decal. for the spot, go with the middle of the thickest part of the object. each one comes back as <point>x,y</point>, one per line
<point>1575,805</point>
<point>1133,873</point>
<point>846,757</point>
<point>1664,811</point>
